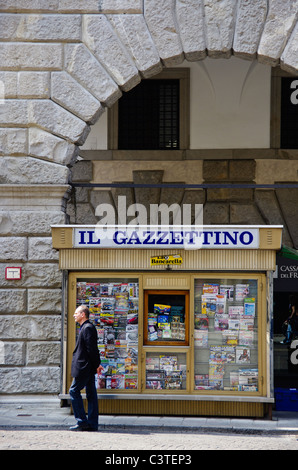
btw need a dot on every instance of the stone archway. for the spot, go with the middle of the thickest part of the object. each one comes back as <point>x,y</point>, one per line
<point>61,63</point>
<point>74,61</point>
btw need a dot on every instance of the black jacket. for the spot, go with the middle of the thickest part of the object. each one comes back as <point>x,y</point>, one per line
<point>85,359</point>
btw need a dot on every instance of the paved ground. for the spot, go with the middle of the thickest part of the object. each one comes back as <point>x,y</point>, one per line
<point>40,424</point>
<point>157,441</point>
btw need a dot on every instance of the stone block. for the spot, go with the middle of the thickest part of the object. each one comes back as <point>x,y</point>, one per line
<point>82,194</point>
<point>33,5</point>
<point>280,21</point>
<point>242,170</point>
<point>140,46</point>
<point>45,114</point>
<point>34,328</point>
<point>82,171</point>
<point>190,17</point>
<point>160,18</point>
<point>229,194</point>
<point>29,170</point>
<point>220,23</point>
<point>101,39</point>
<point>84,214</point>
<point>25,222</point>
<point>196,199</point>
<point>39,27</point>
<point>44,301</point>
<point>147,196</point>
<point>28,56</point>
<point>245,214</point>
<point>12,353</point>
<point>215,170</point>
<point>33,275</point>
<point>83,66</point>
<point>101,6</point>
<point>74,6</point>
<point>289,57</point>
<point>40,249</point>
<point>30,380</point>
<point>13,248</point>
<point>216,213</point>
<point>251,18</point>
<point>67,92</point>
<point>121,6</point>
<point>8,85</point>
<point>13,141</point>
<point>33,84</point>
<point>120,211</point>
<point>12,301</point>
<point>42,144</point>
<point>100,197</point>
<point>57,120</point>
<point>268,206</point>
<point>42,353</point>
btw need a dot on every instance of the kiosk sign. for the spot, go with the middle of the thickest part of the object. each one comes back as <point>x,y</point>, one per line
<point>191,238</point>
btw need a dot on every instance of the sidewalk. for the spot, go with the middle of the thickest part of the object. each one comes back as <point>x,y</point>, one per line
<point>46,413</point>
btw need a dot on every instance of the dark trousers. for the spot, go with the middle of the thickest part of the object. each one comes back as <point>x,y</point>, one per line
<point>77,402</point>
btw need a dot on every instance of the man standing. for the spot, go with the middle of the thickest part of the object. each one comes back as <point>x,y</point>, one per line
<point>85,362</point>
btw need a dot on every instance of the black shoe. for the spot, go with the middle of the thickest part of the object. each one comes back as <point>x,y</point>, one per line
<point>79,427</point>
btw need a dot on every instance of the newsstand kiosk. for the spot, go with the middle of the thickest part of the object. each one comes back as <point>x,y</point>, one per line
<point>183,316</point>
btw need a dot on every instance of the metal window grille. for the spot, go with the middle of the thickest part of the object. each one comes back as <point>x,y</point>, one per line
<point>148,116</point>
<point>289,116</point>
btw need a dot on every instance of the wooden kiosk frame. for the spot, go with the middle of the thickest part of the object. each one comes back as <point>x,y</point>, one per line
<point>102,265</point>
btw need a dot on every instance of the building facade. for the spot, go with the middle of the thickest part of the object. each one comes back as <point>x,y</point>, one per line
<point>64,68</point>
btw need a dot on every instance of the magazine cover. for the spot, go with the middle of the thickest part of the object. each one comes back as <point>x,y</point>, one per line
<point>208,304</point>
<point>228,292</point>
<point>210,288</point>
<point>215,355</point>
<point>229,354</point>
<point>201,321</point>
<point>242,291</point>
<point>221,322</point>
<point>230,337</point>
<point>246,338</point>
<point>242,355</point>
<point>201,338</point>
<point>249,307</point>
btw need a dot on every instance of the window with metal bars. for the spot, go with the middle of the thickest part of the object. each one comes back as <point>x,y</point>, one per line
<point>289,114</point>
<point>148,116</point>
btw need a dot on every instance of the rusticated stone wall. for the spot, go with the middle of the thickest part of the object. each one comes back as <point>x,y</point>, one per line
<point>62,62</point>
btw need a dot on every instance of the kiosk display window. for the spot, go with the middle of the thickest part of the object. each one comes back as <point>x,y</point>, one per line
<point>165,370</point>
<point>114,310</point>
<point>166,318</point>
<point>226,335</point>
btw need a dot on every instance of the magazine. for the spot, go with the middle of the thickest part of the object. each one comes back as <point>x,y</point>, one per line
<point>215,355</point>
<point>228,352</point>
<point>249,307</point>
<point>242,355</point>
<point>201,338</point>
<point>228,291</point>
<point>246,337</point>
<point>230,337</point>
<point>221,322</point>
<point>201,322</point>
<point>242,291</point>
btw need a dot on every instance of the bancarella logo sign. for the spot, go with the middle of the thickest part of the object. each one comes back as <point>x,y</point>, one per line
<point>147,237</point>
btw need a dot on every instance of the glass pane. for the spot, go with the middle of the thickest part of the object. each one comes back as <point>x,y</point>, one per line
<point>166,318</point>
<point>225,335</point>
<point>113,309</point>
<point>165,371</point>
